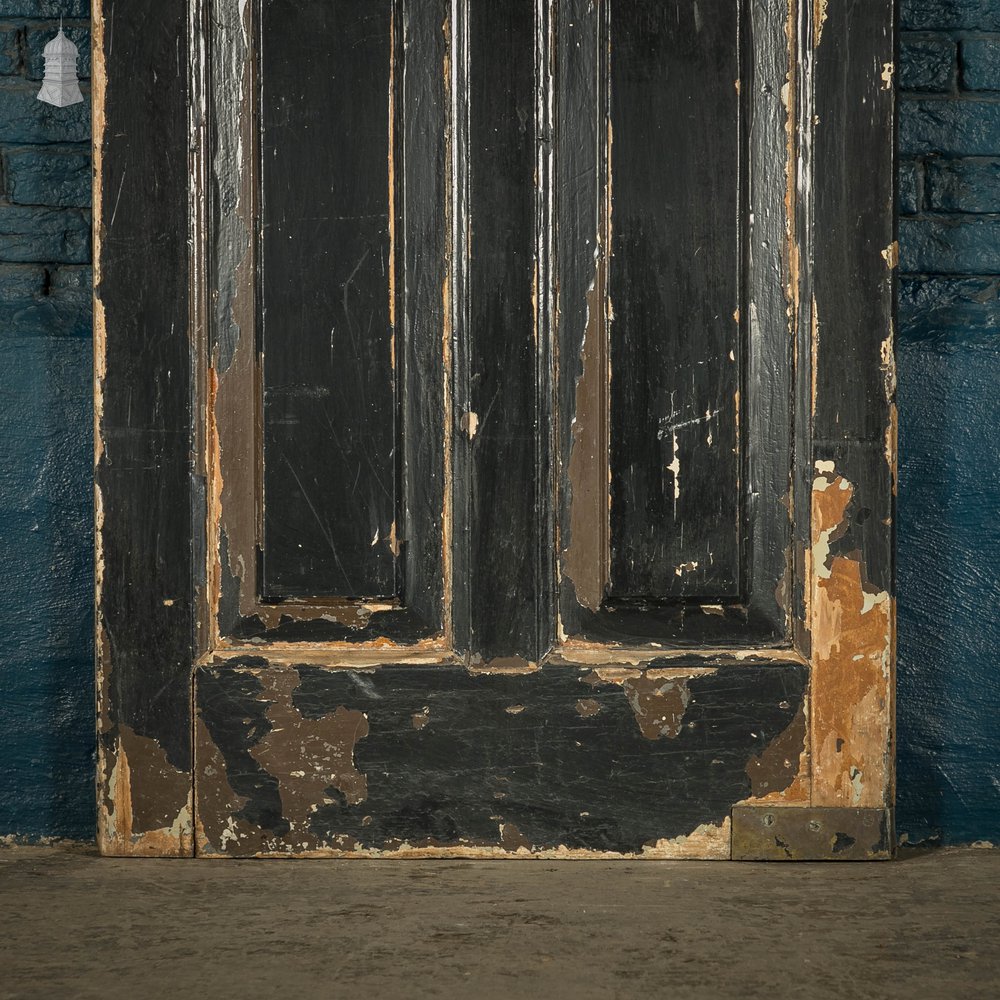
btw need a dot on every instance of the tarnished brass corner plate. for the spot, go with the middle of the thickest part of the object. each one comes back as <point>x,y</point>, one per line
<point>791,833</point>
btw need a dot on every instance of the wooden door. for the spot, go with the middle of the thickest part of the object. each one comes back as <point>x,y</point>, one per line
<point>496,424</point>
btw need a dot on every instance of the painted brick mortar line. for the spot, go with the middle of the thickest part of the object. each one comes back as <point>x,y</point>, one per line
<point>959,97</point>
<point>45,178</point>
<point>949,172</point>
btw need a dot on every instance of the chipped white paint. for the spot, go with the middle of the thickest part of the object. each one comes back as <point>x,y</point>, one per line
<point>704,841</point>
<point>888,365</point>
<point>821,547</point>
<point>230,833</point>
<point>872,601</point>
<point>675,468</point>
<point>857,785</point>
<point>820,15</point>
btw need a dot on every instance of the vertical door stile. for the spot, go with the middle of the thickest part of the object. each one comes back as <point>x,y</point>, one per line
<point>145,601</point>
<point>499,425</point>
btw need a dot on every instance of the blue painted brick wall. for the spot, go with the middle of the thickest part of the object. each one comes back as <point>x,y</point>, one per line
<point>948,701</point>
<point>949,361</point>
<point>46,538</point>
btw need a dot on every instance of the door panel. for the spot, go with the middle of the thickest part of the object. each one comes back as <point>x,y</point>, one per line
<point>558,762</point>
<point>675,224</point>
<point>674,522</point>
<point>327,310</point>
<point>328,423</point>
<point>528,507</point>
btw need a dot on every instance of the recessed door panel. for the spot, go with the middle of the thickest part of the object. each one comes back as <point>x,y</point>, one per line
<point>330,409</point>
<point>672,531</point>
<point>327,291</point>
<point>674,277</point>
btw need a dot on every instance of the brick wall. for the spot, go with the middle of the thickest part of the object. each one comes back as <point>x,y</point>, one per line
<point>44,178</point>
<point>46,537</point>
<point>949,386</point>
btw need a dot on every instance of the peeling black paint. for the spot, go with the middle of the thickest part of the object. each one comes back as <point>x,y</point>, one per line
<point>594,783</point>
<point>740,371</point>
<point>675,277</point>
<point>145,614</point>
<point>500,760</point>
<point>400,623</point>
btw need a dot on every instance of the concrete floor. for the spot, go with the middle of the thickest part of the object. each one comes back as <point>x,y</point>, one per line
<point>73,925</point>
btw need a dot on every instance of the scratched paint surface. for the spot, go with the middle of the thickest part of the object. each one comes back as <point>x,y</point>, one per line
<point>676,347</point>
<point>945,711</point>
<point>382,387</point>
<point>327,300</point>
<point>435,798</point>
<point>299,772</point>
<point>502,337</point>
<point>655,344</point>
<point>144,512</point>
<point>145,774</point>
<point>300,759</point>
<point>947,501</point>
<point>853,411</point>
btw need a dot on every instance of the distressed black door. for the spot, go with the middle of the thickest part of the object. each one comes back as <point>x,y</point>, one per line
<point>532,506</point>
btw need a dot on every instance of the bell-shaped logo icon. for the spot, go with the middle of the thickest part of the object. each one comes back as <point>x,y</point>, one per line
<point>60,85</point>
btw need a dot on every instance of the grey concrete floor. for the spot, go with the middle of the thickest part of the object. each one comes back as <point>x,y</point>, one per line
<point>73,925</point>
